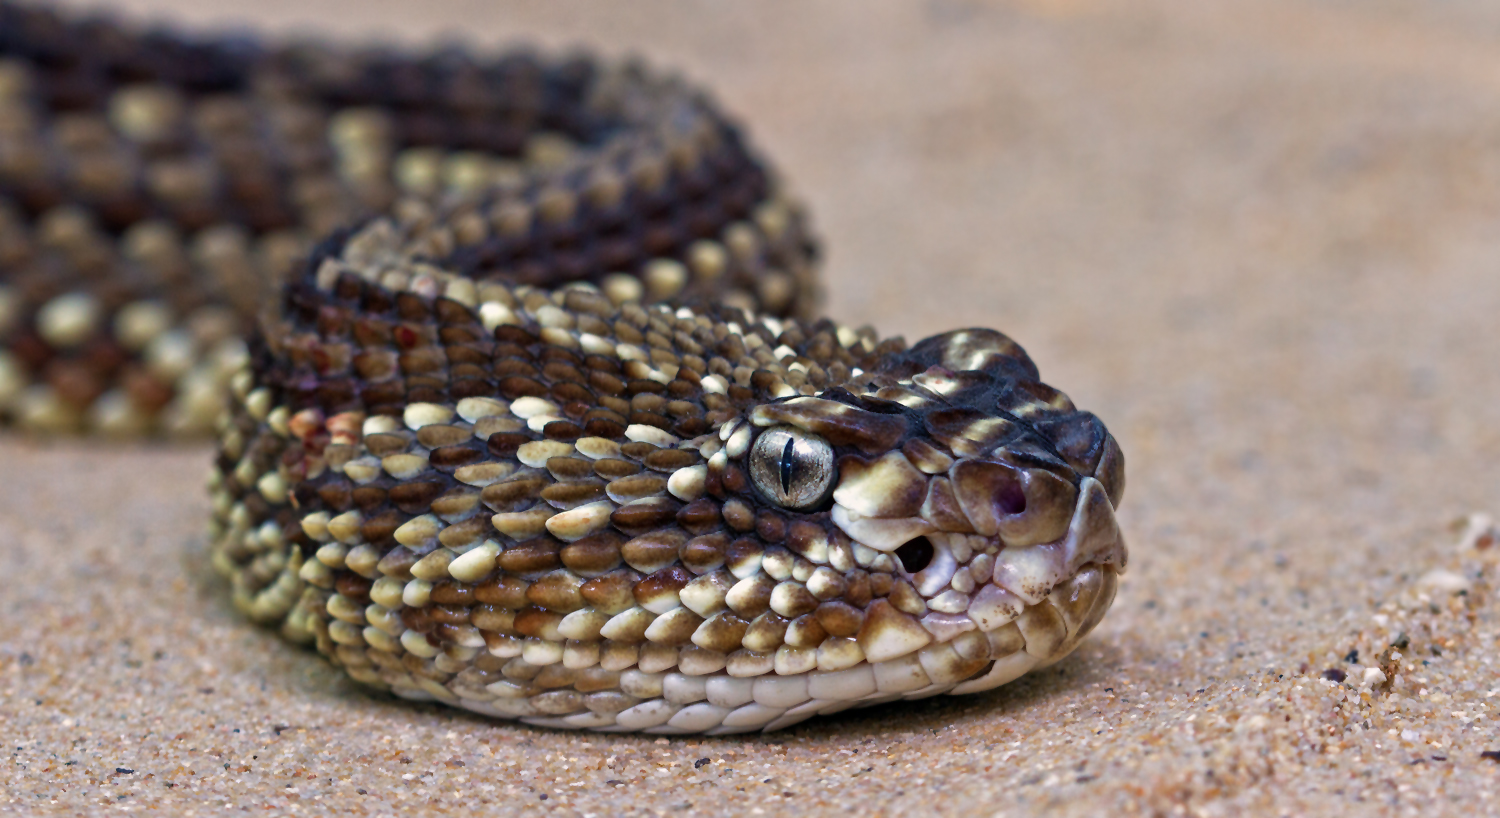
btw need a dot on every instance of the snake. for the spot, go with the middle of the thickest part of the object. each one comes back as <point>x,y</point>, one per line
<point>519,393</point>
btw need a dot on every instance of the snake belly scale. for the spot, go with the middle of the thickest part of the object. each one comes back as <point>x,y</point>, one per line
<point>520,402</point>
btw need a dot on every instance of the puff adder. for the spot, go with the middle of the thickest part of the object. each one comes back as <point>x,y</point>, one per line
<point>519,399</point>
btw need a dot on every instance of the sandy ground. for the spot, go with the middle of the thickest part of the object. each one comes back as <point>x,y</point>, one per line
<point>1260,239</point>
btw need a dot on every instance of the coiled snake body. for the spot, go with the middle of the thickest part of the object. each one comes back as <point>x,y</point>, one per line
<point>533,420</point>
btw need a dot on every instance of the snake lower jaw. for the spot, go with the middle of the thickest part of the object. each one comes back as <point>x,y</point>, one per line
<point>1045,633</point>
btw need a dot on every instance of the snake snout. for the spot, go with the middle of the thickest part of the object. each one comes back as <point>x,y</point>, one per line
<point>982,541</point>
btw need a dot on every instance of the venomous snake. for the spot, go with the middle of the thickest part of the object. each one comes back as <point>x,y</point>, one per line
<point>519,401</point>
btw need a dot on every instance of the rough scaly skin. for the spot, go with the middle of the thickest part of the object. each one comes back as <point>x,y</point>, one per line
<point>495,441</point>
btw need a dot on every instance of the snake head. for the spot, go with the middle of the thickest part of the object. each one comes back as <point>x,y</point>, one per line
<point>985,494</point>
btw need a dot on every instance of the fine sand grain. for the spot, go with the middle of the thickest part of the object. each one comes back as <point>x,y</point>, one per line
<point>1259,238</point>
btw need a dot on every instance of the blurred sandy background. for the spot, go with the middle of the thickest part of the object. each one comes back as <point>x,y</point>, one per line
<point>1261,239</point>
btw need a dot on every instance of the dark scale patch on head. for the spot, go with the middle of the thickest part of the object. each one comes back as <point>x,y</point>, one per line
<point>981,350</point>
<point>977,392</point>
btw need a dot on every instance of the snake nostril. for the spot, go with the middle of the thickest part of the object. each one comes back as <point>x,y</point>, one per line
<point>1012,499</point>
<point>916,554</point>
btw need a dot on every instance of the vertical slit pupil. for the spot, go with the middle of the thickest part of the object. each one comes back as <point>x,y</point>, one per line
<point>786,466</point>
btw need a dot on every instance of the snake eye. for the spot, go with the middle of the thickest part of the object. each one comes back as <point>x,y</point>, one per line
<point>792,467</point>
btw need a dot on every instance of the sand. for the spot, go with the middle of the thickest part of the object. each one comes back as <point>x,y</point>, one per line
<point>1258,238</point>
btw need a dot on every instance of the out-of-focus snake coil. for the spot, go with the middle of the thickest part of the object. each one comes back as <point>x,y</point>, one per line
<point>519,403</point>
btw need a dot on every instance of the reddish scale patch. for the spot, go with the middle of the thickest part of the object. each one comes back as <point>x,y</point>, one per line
<point>406,337</point>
